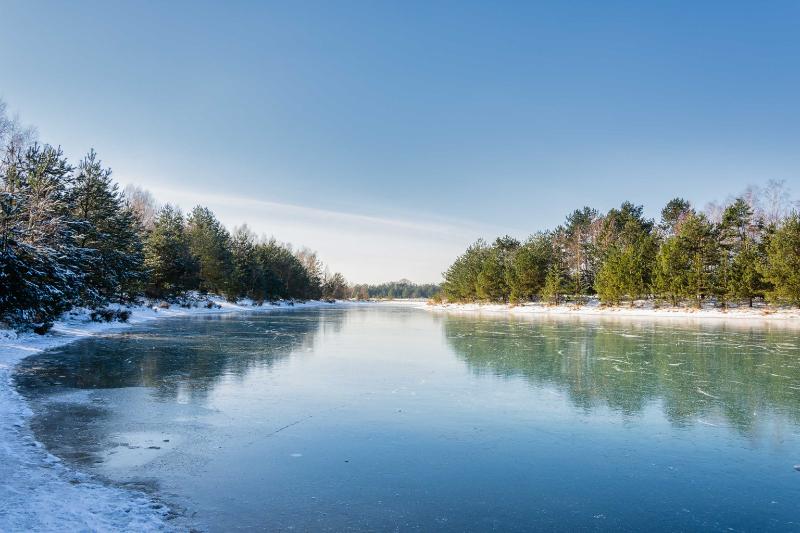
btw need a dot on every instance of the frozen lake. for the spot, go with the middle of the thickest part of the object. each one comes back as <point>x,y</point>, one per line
<point>394,418</point>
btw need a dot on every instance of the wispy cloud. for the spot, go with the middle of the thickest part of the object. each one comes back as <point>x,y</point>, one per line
<point>423,224</point>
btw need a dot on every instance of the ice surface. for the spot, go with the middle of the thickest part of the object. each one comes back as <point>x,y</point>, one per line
<point>38,492</point>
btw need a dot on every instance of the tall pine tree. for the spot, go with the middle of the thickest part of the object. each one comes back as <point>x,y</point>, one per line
<point>171,266</point>
<point>210,244</point>
<point>782,267</point>
<point>740,254</point>
<point>108,232</point>
<point>41,268</point>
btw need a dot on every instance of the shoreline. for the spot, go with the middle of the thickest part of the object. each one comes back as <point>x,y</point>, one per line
<point>41,493</point>
<point>594,309</point>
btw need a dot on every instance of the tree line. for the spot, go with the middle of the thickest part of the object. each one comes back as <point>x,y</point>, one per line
<point>394,289</point>
<point>745,250</point>
<point>69,237</point>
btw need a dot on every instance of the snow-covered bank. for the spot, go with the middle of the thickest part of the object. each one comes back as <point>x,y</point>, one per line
<point>642,309</point>
<point>37,491</point>
<point>412,302</point>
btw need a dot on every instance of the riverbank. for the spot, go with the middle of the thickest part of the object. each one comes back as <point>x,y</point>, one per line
<point>38,492</point>
<point>640,309</point>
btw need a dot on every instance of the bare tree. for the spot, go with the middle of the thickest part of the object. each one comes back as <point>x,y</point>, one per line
<point>776,201</point>
<point>143,204</point>
<point>308,258</point>
<point>714,211</point>
<point>771,203</point>
<point>752,196</point>
<point>14,137</point>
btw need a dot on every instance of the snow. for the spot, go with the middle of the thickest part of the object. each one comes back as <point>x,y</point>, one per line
<point>644,309</point>
<point>40,493</point>
<point>412,302</point>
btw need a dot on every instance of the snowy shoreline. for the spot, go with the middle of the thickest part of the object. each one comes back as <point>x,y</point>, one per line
<point>39,492</point>
<point>788,317</point>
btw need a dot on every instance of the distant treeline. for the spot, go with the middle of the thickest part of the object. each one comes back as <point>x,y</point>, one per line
<point>395,289</point>
<point>70,238</point>
<point>744,250</point>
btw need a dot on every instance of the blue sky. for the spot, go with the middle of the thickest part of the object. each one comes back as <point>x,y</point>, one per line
<point>389,135</point>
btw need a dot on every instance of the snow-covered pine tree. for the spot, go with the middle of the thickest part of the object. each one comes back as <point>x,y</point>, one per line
<point>107,231</point>
<point>40,266</point>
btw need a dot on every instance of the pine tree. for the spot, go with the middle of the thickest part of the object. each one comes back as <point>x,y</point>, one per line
<point>782,267</point>
<point>746,281</point>
<point>701,247</point>
<point>673,215</point>
<point>284,276</point>
<point>247,272</point>
<point>739,274</point>
<point>461,278</point>
<point>41,268</point>
<point>527,270</point>
<point>171,267</point>
<point>491,284</point>
<point>314,270</point>
<point>627,251</point>
<point>627,270</point>
<point>671,270</point>
<point>687,264</point>
<point>610,281</point>
<point>210,244</point>
<point>556,281</point>
<point>108,233</point>
<point>623,226</point>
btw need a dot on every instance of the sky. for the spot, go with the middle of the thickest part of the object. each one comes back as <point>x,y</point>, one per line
<point>390,135</point>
